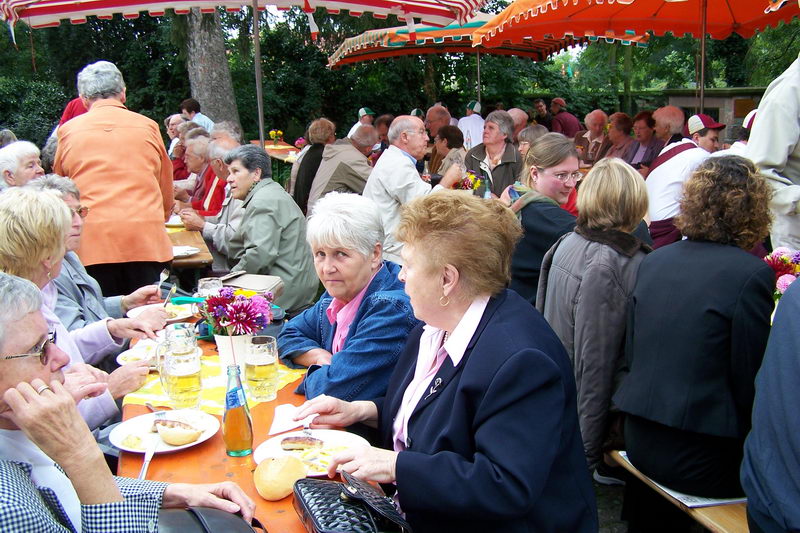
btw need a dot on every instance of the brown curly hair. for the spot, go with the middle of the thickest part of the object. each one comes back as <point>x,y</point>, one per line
<point>726,201</point>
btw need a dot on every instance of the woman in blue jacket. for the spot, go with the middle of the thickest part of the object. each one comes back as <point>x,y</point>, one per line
<point>351,338</point>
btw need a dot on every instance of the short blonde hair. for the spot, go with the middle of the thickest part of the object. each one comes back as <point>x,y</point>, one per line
<point>33,227</point>
<point>612,196</point>
<point>475,236</point>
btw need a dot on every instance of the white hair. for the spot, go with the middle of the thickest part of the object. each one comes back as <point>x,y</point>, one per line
<point>401,125</point>
<point>100,80</point>
<point>365,135</point>
<point>54,182</point>
<point>229,128</point>
<point>12,154</point>
<point>597,114</point>
<point>672,116</point>
<point>344,220</point>
<point>18,298</point>
<point>519,116</point>
<point>199,146</point>
<point>220,149</point>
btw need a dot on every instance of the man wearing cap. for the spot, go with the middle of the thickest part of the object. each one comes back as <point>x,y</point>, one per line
<point>775,149</point>
<point>704,131</point>
<point>739,147</point>
<point>472,125</point>
<point>542,115</point>
<point>365,116</point>
<point>563,121</point>
<point>668,172</point>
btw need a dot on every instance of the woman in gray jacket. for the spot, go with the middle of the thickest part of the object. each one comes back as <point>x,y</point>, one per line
<point>586,280</point>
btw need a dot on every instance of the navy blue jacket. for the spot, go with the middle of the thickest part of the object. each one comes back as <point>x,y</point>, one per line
<point>497,447</point>
<point>361,369</point>
<point>771,466</point>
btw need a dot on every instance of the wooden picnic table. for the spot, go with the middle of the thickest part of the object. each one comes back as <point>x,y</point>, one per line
<point>730,518</point>
<point>207,462</point>
<point>185,237</point>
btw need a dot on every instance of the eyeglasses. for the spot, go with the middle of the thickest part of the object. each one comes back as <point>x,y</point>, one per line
<point>564,177</point>
<point>40,350</point>
<point>82,211</point>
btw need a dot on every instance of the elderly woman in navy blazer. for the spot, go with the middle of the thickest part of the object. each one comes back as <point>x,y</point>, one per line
<point>351,338</point>
<point>479,422</point>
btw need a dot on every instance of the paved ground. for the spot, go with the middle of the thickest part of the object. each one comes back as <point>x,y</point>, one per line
<point>609,505</point>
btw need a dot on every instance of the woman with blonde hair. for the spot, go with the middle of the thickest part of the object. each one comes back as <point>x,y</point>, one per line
<point>456,409</point>
<point>549,177</point>
<point>700,319</point>
<point>587,279</point>
<point>34,226</point>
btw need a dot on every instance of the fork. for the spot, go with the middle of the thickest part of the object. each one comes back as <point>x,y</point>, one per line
<point>171,293</point>
<point>161,279</point>
<point>151,449</point>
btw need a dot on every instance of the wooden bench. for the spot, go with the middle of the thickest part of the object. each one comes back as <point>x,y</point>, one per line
<point>730,518</point>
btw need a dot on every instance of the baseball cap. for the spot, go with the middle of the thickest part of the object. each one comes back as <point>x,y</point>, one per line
<point>474,106</point>
<point>702,121</point>
<point>365,111</point>
<point>749,119</point>
<point>559,101</point>
<point>417,112</point>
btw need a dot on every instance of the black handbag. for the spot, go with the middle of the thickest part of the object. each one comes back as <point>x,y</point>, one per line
<point>203,520</point>
<point>353,506</point>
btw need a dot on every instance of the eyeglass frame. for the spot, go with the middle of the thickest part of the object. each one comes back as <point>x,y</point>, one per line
<point>564,177</point>
<point>82,211</point>
<point>41,351</point>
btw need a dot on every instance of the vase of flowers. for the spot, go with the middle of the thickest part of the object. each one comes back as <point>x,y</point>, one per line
<point>275,135</point>
<point>234,316</point>
<point>786,265</point>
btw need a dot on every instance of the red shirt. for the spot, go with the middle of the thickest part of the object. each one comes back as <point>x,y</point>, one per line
<point>210,199</point>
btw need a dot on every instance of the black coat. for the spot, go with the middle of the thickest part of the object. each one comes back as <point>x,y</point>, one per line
<point>497,447</point>
<point>699,326</point>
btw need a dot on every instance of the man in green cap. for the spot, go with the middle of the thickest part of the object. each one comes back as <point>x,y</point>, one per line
<point>365,116</point>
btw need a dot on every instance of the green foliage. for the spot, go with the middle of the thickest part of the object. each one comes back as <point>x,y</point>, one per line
<point>771,52</point>
<point>30,109</point>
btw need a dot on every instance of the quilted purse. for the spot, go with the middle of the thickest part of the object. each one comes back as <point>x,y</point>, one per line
<point>353,506</point>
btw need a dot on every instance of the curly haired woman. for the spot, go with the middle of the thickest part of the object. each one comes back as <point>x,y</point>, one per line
<point>700,321</point>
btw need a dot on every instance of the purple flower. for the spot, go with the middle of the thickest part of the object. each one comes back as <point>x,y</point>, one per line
<point>226,292</point>
<point>783,282</point>
<point>782,250</point>
<point>796,258</point>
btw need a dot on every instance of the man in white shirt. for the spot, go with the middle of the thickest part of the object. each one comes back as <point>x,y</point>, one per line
<point>775,149</point>
<point>190,110</point>
<point>668,172</point>
<point>739,147</point>
<point>395,181</point>
<point>472,125</point>
<point>365,116</point>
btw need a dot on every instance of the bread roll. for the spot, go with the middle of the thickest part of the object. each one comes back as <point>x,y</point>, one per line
<point>178,435</point>
<point>275,476</point>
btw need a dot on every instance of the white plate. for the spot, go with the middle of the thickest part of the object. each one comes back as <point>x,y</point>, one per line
<point>182,311</point>
<point>183,251</point>
<point>174,222</point>
<point>333,441</point>
<point>140,426</point>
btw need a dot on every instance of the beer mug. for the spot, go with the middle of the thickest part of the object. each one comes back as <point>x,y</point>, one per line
<point>179,370</point>
<point>261,368</point>
<point>182,338</point>
<point>208,287</point>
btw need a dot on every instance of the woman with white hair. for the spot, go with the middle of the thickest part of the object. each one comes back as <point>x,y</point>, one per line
<point>351,338</point>
<point>495,160</point>
<point>19,163</point>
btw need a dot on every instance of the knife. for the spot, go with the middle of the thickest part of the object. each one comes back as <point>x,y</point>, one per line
<point>148,456</point>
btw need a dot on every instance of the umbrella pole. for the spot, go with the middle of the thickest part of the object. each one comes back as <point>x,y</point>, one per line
<point>703,27</point>
<point>257,66</point>
<point>479,76</point>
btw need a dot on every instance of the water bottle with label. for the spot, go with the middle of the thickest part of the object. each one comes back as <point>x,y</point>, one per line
<point>237,426</point>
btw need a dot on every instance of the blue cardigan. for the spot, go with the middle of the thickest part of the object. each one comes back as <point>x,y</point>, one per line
<point>378,333</point>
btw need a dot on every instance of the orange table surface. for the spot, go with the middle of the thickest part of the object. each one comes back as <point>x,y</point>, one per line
<point>208,463</point>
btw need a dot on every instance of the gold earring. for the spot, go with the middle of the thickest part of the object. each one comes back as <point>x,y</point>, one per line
<point>446,300</point>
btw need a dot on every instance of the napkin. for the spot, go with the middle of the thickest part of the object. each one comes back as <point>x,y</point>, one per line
<point>282,419</point>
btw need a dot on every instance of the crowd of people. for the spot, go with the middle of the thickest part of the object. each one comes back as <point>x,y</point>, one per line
<point>504,300</point>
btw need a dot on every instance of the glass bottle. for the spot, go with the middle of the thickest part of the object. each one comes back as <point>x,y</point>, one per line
<point>237,426</point>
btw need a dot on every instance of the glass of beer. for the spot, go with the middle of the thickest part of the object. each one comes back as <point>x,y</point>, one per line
<point>261,368</point>
<point>181,338</point>
<point>208,287</point>
<point>180,374</point>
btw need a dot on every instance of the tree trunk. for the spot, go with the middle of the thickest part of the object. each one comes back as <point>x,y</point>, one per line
<point>626,80</point>
<point>207,63</point>
<point>429,85</point>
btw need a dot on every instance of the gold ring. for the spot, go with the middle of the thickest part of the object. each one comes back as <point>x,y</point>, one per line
<point>42,389</point>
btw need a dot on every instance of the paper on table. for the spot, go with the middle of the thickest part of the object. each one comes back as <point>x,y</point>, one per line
<point>687,499</point>
<point>282,419</point>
